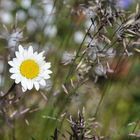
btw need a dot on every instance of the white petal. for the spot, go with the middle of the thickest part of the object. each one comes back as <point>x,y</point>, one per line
<point>24,83</point>
<point>41,63</point>
<point>17,80</point>
<point>46,76</point>
<point>30,50</point>
<point>24,89</point>
<point>11,63</point>
<point>39,58</point>
<point>42,82</point>
<point>13,76</point>
<point>17,54</point>
<point>13,70</point>
<point>48,71</point>
<point>16,62</point>
<point>47,65</point>
<point>35,53</point>
<point>25,54</point>
<point>20,48</point>
<point>41,54</point>
<point>30,84</point>
<point>36,85</point>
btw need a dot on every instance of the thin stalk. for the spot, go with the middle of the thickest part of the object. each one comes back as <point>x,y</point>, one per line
<point>103,94</point>
<point>133,131</point>
<point>77,54</point>
<point>79,49</point>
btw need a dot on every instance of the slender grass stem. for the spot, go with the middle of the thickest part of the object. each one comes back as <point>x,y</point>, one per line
<point>103,94</point>
<point>135,127</point>
<point>78,51</point>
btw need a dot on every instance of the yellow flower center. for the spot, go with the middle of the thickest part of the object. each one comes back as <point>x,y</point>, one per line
<point>29,69</point>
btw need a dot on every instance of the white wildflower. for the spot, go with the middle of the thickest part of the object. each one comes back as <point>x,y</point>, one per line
<point>29,68</point>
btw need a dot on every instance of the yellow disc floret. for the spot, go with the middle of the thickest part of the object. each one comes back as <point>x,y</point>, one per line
<point>29,69</point>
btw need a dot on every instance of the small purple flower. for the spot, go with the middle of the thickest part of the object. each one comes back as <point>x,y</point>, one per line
<point>124,3</point>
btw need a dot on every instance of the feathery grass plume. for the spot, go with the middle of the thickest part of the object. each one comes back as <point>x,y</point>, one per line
<point>13,37</point>
<point>102,49</point>
<point>81,129</point>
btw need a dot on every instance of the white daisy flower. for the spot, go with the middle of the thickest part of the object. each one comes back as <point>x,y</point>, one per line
<point>29,68</point>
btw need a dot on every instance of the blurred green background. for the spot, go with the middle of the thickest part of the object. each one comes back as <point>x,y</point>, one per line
<point>59,27</point>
